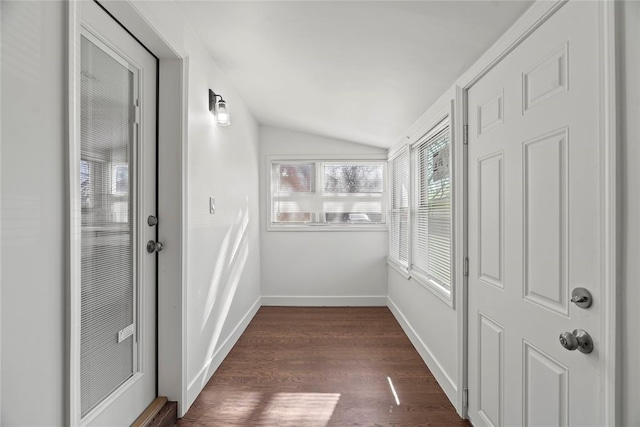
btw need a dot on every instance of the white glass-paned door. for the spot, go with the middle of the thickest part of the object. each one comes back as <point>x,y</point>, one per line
<point>107,175</point>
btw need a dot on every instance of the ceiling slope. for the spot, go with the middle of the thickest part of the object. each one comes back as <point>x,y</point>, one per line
<point>361,71</point>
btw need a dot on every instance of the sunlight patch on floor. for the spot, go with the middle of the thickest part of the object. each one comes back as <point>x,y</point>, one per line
<point>308,409</point>
<point>393,391</point>
<point>238,407</point>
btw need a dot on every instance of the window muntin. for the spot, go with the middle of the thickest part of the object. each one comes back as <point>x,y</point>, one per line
<point>333,193</point>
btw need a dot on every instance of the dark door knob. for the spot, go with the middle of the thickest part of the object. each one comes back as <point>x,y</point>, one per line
<point>153,246</point>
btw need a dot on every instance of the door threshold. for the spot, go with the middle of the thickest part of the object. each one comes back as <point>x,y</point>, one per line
<point>150,417</point>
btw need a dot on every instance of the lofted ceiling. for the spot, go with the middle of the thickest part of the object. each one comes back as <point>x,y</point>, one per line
<point>361,71</point>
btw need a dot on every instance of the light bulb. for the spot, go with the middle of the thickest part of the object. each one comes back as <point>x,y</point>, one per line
<point>222,114</point>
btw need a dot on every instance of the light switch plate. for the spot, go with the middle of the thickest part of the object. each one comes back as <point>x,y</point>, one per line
<point>212,205</point>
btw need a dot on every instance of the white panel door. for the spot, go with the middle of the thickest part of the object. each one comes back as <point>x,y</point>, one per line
<point>117,355</point>
<point>535,228</point>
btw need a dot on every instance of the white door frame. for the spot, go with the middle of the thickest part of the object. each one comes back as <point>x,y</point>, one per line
<point>172,203</point>
<point>527,24</point>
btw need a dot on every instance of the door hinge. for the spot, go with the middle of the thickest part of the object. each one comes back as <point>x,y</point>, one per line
<point>465,134</point>
<point>465,266</point>
<point>465,397</point>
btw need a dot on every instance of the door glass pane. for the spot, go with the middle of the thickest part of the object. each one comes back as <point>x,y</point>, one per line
<point>107,265</point>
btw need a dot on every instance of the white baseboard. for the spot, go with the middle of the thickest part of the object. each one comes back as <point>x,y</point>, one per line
<point>446,383</point>
<point>206,372</point>
<point>326,301</point>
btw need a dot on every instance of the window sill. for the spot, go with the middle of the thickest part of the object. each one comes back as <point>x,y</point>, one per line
<point>322,227</point>
<point>403,270</point>
<point>435,288</point>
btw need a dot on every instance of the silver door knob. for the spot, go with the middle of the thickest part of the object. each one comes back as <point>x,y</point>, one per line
<point>153,246</point>
<point>578,339</point>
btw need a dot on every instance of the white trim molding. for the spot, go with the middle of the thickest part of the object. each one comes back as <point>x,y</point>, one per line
<point>609,204</point>
<point>0,241</point>
<point>72,317</point>
<point>532,19</point>
<point>460,243</point>
<point>325,301</point>
<point>460,239</point>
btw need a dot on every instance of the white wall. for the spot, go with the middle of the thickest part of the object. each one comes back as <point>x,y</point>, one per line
<point>628,22</point>
<point>33,213</point>
<point>223,267</point>
<point>319,267</point>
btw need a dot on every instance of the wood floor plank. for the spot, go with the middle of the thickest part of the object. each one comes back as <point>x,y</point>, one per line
<point>322,366</point>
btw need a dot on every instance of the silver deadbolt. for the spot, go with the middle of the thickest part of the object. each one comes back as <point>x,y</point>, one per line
<point>153,246</point>
<point>152,220</point>
<point>578,339</point>
<point>581,297</point>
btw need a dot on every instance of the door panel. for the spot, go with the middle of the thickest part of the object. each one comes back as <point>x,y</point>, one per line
<point>118,191</point>
<point>490,220</point>
<point>491,370</point>
<point>546,389</point>
<point>534,227</point>
<point>545,172</point>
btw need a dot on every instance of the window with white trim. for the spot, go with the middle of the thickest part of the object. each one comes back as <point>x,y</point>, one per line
<point>431,210</point>
<point>344,194</point>
<point>399,209</point>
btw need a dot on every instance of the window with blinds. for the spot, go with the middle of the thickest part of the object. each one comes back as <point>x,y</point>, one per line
<point>431,210</point>
<point>327,193</point>
<point>399,209</point>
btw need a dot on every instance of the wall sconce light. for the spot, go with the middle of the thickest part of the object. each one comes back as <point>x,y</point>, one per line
<point>219,109</point>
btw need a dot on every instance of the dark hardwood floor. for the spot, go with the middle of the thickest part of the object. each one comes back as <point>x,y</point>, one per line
<point>322,366</point>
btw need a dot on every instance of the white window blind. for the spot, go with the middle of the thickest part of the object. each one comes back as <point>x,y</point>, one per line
<point>339,193</point>
<point>431,213</point>
<point>399,209</point>
<point>107,257</point>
